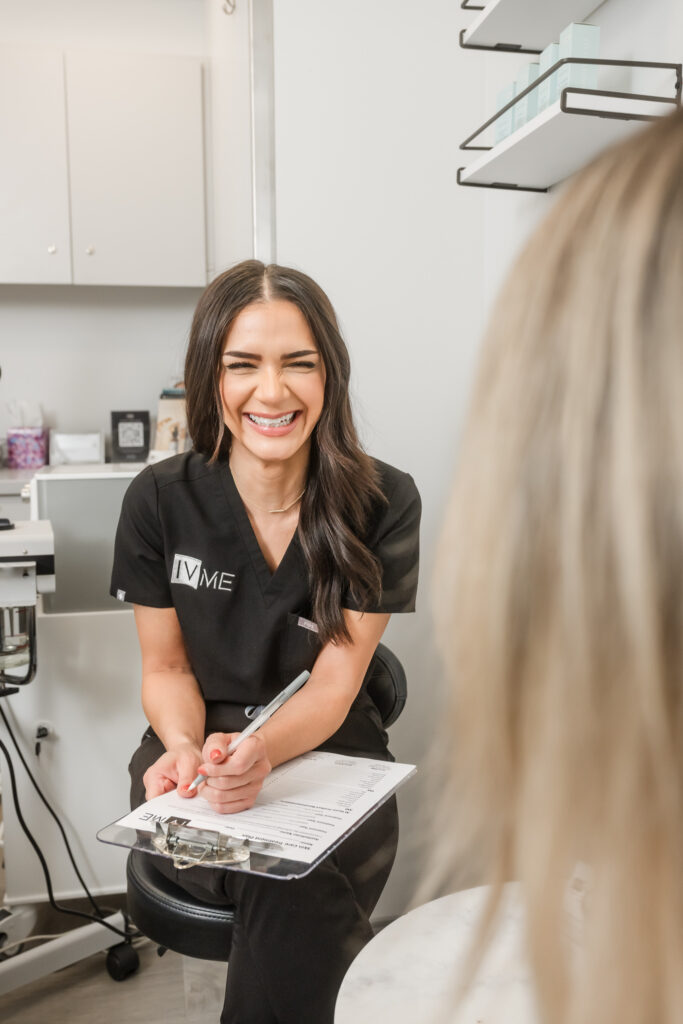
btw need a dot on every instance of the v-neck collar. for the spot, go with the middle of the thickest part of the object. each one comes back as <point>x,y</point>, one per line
<point>271,583</point>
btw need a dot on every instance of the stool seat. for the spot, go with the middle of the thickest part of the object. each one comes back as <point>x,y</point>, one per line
<point>171,917</point>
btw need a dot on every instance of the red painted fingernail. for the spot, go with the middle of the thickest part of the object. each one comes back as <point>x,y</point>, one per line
<point>186,787</point>
<point>215,753</point>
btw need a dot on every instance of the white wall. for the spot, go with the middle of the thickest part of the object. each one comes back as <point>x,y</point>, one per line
<point>371,102</point>
<point>147,26</point>
<point>629,30</point>
<point>82,352</point>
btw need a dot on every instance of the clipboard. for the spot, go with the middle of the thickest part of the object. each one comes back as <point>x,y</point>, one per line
<point>310,804</point>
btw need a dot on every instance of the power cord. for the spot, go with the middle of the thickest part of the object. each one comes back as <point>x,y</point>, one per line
<point>50,811</point>
<point>97,916</point>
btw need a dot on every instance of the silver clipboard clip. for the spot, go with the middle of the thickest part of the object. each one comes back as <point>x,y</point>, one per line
<point>188,846</point>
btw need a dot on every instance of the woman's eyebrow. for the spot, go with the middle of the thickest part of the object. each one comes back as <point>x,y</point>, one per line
<point>300,353</point>
<point>241,355</point>
<point>254,356</point>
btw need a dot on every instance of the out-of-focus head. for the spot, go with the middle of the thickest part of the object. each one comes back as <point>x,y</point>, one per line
<point>561,590</point>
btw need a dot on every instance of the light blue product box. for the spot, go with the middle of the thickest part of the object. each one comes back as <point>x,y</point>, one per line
<point>526,108</point>
<point>547,89</point>
<point>579,41</point>
<point>503,126</point>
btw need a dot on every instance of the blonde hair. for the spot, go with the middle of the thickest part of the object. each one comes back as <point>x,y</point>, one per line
<point>561,591</point>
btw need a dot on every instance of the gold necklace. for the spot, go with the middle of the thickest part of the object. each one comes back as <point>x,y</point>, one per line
<point>269,511</point>
<point>274,511</point>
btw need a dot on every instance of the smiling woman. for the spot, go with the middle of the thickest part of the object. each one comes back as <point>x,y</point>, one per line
<point>276,545</point>
<point>276,312</point>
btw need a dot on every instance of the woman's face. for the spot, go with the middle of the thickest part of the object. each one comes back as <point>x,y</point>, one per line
<point>272,381</point>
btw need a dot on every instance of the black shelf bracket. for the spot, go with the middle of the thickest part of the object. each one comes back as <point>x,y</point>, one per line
<point>674,101</point>
<point>497,47</point>
<point>496,184</point>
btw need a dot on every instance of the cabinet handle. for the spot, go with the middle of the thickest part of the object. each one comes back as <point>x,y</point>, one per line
<point>52,249</point>
<point>90,250</point>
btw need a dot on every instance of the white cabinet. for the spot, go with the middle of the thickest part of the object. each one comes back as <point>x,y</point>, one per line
<point>136,168</point>
<point>130,131</point>
<point>34,190</point>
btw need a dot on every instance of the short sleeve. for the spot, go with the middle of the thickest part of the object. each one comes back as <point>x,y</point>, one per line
<point>139,573</point>
<point>394,539</point>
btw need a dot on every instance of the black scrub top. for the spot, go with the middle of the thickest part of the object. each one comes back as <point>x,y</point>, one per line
<point>184,540</point>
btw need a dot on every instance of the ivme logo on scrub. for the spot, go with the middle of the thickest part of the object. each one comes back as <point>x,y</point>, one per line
<point>190,572</point>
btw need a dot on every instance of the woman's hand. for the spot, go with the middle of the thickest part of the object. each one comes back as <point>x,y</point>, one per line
<point>176,768</point>
<point>233,783</point>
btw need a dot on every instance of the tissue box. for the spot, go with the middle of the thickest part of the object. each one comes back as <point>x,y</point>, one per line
<point>76,448</point>
<point>26,447</point>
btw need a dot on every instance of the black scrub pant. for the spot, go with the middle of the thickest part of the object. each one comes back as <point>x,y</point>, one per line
<point>294,939</point>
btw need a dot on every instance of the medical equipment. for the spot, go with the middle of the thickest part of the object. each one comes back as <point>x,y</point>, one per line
<point>27,571</point>
<point>27,568</point>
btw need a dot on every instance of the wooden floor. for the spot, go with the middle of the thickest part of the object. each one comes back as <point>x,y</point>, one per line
<point>171,989</point>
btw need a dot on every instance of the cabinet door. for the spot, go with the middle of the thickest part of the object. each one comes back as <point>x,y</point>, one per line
<point>136,169</point>
<point>34,193</point>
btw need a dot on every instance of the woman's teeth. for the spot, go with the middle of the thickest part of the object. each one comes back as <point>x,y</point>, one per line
<point>268,421</point>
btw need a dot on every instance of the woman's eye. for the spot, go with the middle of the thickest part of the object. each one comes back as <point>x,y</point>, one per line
<point>238,366</point>
<point>302,364</point>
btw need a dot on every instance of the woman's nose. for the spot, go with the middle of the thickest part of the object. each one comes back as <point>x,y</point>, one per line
<point>271,385</point>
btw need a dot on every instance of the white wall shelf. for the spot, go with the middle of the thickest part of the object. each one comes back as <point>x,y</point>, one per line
<point>565,136</point>
<point>524,26</point>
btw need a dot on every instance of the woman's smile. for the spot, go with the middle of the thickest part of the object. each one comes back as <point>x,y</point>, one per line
<point>273,426</point>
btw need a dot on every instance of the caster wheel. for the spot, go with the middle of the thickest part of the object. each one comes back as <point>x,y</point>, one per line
<point>122,960</point>
<point>16,950</point>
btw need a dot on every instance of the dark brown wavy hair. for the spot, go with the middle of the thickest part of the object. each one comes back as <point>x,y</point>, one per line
<point>342,485</point>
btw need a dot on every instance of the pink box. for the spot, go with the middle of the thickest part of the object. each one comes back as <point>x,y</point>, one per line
<point>26,447</point>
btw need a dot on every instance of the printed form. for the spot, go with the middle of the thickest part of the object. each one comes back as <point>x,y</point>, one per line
<point>305,806</point>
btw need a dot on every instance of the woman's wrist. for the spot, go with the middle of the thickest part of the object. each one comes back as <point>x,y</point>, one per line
<point>181,741</point>
<point>174,708</point>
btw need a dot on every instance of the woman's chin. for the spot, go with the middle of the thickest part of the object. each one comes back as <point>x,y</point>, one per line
<point>267,448</point>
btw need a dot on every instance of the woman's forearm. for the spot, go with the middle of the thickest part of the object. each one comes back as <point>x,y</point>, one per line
<point>313,714</point>
<point>174,706</point>
<point>304,723</point>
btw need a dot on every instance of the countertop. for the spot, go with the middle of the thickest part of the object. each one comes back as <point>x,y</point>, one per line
<point>12,480</point>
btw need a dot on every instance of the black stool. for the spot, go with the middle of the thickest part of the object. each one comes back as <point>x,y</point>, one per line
<point>174,919</point>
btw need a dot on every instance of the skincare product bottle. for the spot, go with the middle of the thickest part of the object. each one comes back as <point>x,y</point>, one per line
<point>527,107</point>
<point>504,124</point>
<point>547,89</point>
<point>579,41</point>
